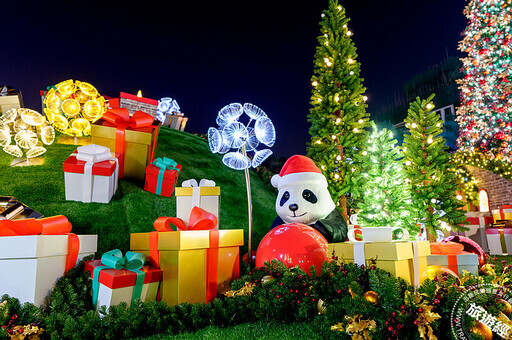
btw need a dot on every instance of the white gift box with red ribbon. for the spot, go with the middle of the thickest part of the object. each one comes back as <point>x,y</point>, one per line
<point>91,174</point>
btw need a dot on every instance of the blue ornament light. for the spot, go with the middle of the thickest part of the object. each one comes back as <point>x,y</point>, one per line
<point>235,140</point>
<point>239,139</point>
<point>165,106</point>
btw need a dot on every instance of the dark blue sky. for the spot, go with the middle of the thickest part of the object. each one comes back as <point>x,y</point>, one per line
<point>207,54</point>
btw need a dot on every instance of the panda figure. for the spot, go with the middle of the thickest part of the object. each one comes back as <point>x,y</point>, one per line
<point>303,198</point>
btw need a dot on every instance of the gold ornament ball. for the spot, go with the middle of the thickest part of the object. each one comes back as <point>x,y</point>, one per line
<point>433,271</point>
<point>508,306</point>
<point>371,297</point>
<point>482,330</point>
<point>267,279</point>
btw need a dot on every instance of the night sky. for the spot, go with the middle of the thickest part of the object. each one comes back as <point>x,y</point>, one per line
<point>207,54</point>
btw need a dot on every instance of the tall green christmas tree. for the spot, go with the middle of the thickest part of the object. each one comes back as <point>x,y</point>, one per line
<point>433,186</point>
<point>485,114</point>
<point>384,189</point>
<point>338,114</point>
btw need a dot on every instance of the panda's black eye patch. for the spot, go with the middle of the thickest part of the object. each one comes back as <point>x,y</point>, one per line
<point>284,198</point>
<point>309,196</point>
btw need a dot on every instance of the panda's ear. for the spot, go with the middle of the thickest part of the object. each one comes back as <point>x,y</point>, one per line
<point>275,180</point>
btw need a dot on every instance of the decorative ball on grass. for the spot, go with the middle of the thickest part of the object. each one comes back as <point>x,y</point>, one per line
<point>70,106</point>
<point>294,244</point>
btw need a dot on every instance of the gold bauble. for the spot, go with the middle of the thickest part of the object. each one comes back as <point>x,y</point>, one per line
<point>482,330</point>
<point>508,306</point>
<point>267,279</point>
<point>371,297</point>
<point>433,271</point>
<point>321,306</point>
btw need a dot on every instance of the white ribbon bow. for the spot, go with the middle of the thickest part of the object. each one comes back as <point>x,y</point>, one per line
<point>196,189</point>
<point>91,154</point>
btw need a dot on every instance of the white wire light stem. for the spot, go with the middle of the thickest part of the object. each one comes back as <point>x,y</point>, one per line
<point>249,209</point>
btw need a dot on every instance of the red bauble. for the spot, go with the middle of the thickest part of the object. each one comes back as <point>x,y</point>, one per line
<point>294,244</point>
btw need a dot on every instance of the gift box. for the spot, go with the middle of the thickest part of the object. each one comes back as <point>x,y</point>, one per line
<point>35,253</point>
<point>451,255</point>
<point>476,222</point>
<point>123,282</point>
<point>197,264</point>
<point>162,176</point>
<point>134,138</point>
<point>205,196</point>
<point>91,174</point>
<point>407,260</point>
<point>499,240</point>
<point>503,213</point>
<point>12,209</point>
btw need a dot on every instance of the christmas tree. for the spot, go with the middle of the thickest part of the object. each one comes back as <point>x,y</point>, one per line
<point>386,197</point>
<point>484,116</point>
<point>433,186</point>
<point>338,114</point>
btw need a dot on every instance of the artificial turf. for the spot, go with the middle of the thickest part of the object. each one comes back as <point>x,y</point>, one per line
<point>132,209</point>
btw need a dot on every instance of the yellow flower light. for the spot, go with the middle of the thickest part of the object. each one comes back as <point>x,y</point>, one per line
<point>71,107</point>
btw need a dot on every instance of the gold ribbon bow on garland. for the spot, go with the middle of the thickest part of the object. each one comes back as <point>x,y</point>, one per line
<point>245,290</point>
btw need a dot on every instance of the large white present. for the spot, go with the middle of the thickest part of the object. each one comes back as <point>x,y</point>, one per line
<point>205,196</point>
<point>31,264</point>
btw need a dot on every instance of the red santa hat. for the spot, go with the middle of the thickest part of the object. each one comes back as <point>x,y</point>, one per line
<point>298,169</point>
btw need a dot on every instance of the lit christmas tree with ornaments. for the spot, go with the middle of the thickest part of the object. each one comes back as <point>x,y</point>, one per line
<point>384,188</point>
<point>338,114</point>
<point>485,114</point>
<point>426,165</point>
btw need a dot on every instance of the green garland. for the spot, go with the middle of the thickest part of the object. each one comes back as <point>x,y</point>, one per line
<point>333,302</point>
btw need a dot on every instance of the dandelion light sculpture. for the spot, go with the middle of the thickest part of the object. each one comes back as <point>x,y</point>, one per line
<point>235,140</point>
<point>166,106</point>
<point>71,106</point>
<point>20,130</point>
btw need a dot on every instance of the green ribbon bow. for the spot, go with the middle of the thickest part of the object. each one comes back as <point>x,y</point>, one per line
<point>163,163</point>
<point>114,260</point>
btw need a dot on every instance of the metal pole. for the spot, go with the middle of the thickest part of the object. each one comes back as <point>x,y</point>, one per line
<point>249,208</point>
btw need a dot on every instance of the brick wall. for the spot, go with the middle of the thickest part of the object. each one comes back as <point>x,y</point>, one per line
<point>134,106</point>
<point>498,188</point>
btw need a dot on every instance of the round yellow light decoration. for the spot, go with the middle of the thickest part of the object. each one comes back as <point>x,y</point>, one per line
<point>9,116</point>
<point>5,137</point>
<point>47,135</point>
<point>26,139</point>
<point>31,117</point>
<point>71,106</point>
<point>35,151</point>
<point>13,150</point>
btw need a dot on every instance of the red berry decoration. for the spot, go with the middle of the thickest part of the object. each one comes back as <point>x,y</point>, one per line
<point>420,310</point>
<point>416,322</point>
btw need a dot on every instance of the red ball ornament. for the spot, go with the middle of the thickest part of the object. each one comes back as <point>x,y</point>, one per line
<point>294,244</point>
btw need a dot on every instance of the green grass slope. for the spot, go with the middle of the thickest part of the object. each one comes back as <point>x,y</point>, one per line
<point>132,209</point>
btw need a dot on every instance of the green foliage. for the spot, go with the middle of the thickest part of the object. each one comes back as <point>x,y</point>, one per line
<point>426,166</point>
<point>383,187</point>
<point>337,116</point>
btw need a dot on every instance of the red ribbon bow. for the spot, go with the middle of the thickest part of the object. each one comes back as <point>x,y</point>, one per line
<point>55,225</point>
<point>199,220</point>
<point>120,118</point>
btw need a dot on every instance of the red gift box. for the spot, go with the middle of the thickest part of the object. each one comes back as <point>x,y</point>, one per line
<point>113,278</point>
<point>170,179</point>
<point>105,168</point>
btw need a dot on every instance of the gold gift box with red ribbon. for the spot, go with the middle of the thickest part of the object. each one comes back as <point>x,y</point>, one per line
<point>35,253</point>
<point>503,213</point>
<point>198,262</point>
<point>134,138</point>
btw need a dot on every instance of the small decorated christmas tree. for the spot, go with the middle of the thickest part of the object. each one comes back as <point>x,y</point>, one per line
<point>433,186</point>
<point>386,198</point>
<point>338,115</point>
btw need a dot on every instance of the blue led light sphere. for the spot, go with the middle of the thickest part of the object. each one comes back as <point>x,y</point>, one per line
<point>235,139</point>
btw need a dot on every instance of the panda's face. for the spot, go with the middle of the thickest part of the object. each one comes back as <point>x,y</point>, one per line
<point>303,203</point>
